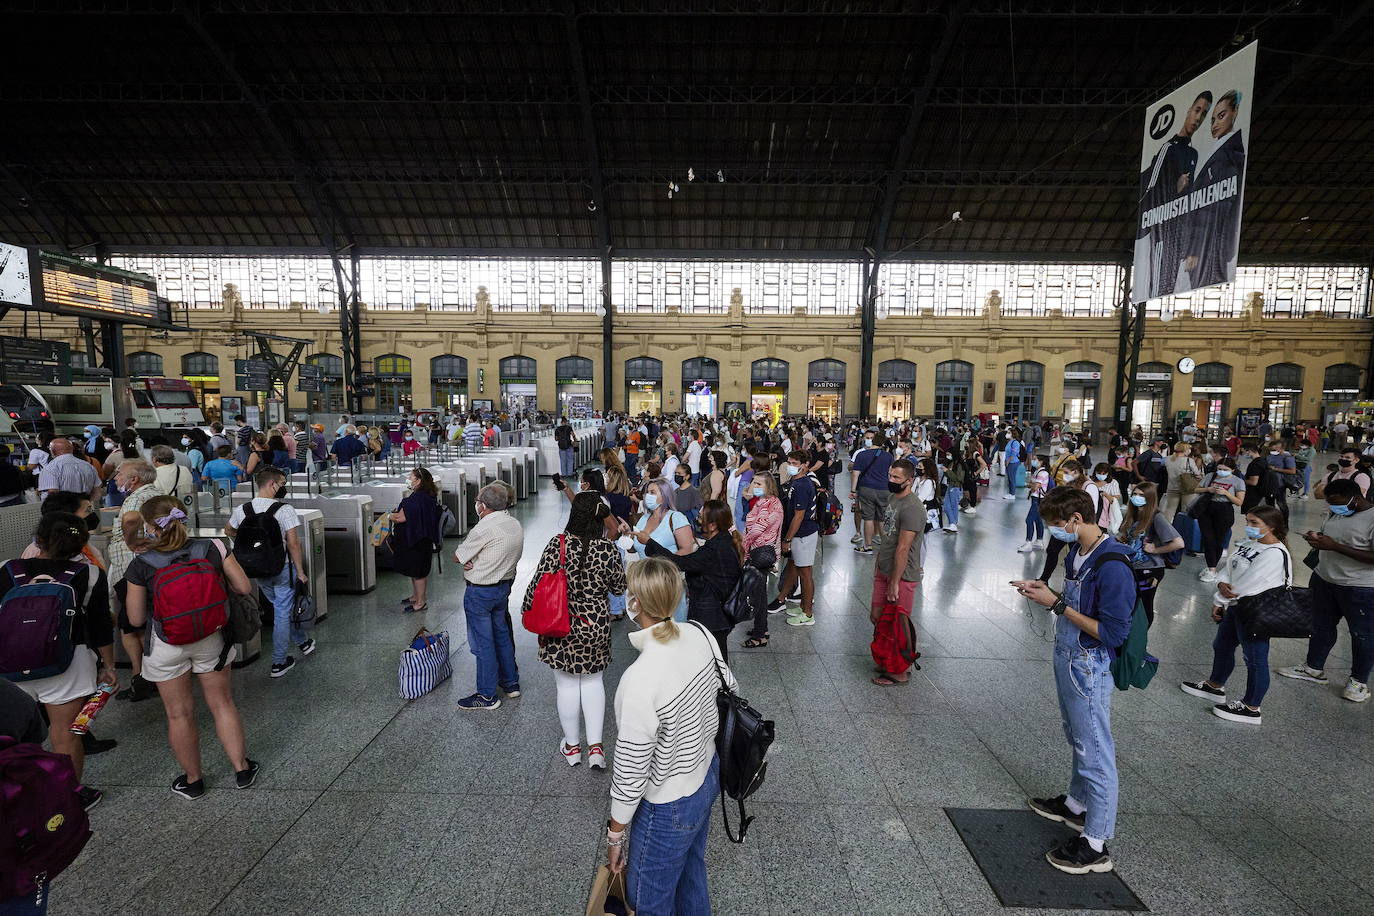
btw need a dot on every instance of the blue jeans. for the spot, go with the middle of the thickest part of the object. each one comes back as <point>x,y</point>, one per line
<point>1306,480</point>
<point>567,461</point>
<point>1083,681</point>
<point>489,636</point>
<point>281,592</point>
<point>1256,652</point>
<point>953,496</point>
<point>631,464</point>
<point>1035,526</point>
<point>666,874</point>
<point>1330,603</point>
<point>1012,468</point>
<point>34,904</point>
<point>696,478</point>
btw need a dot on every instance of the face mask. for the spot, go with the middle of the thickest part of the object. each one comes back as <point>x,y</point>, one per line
<point>1070,478</point>
<point>1252,532</point>
<point>868,441</point>
<point>1061,450</point>
<point>1223,472</point>
<point>185,442</point>
<point>1100,476</point>
<point>787,471</point>
<point>1035,463</point>
<point>1137,500</point>
<point>109,444</point>
<point>651,501</point>
<point>1343,511</point>
<point>895,487</point>
<point>758,492</point>
<point>1345,462</point>
<point>1062,534</point>
<point>681,481</point>
<point>92,521</point>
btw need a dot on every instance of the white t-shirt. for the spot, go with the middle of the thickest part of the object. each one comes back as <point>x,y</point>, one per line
<point>287,517</point>
<point>694,456</point>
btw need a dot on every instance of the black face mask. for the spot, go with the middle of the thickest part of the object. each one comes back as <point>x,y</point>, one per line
<point>1345,462</point>
<point>895,487</point>
<point>93,521</point>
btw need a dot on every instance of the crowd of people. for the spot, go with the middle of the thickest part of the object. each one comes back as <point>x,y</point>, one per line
<point>662,530</point>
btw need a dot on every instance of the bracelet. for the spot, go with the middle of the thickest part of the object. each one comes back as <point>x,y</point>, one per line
<point>1059,607</point>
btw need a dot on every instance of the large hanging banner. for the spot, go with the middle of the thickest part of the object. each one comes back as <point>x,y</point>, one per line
<point>1192,181</point>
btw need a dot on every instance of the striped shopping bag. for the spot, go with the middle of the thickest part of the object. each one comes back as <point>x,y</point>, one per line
<point>424,665</point>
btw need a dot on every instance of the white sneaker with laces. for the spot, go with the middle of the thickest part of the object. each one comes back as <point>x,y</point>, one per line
<point>1025,548</point>
<point>1009,496</point>
<point>1304,673</point>
<point>972,510</point>
<point>1207,576</point>
<point>1355,692</point>
<point>952,529</point>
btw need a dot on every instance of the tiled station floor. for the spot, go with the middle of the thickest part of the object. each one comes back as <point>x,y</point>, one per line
<point>368,804</point>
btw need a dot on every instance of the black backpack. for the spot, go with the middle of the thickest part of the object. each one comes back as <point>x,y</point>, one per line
<point>258,543</point>
<point>742,743</point>
<point>751,591</point>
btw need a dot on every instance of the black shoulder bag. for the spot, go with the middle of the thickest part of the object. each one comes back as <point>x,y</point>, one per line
<point>1282,612</point>
<point>742,743</point>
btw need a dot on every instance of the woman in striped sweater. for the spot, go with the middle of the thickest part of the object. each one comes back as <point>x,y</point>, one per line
<point>666,772</point>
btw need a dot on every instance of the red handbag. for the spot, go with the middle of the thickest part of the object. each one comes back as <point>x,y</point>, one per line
<point>548,613</point>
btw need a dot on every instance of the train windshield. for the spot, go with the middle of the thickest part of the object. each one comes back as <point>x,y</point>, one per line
<point>173,398</point>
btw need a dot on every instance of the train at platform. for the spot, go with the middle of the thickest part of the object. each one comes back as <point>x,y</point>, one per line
<point>158,403</point>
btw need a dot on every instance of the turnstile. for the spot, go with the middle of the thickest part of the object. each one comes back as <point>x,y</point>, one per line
<point>350,562</point>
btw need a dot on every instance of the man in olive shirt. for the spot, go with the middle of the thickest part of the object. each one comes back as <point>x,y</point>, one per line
<point>897,551</point>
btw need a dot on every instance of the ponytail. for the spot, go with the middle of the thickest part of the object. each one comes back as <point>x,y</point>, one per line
<point>739,544</point>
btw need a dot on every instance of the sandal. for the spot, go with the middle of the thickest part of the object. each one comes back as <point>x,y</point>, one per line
<point>416,609</point>
<point>887,680</point>
<point>756,642</point>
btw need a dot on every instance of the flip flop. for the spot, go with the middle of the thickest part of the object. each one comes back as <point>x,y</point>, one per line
<point>885,680</point>
<point>755,642</point>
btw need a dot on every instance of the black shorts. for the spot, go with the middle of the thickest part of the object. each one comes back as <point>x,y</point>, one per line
<point>121,591</point>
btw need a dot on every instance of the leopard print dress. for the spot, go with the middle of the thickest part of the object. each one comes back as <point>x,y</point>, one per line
<point>594,570</point>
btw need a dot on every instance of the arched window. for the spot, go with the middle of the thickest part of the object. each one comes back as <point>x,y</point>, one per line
<point>769,370</point>
<point>1282,392</point>
<point>393,383</point>
<point>331,395</point>
<point>1026,372</point>
<point>448,382</point>
<point>1212,375</point>
<point>1076,370</point>
<point>574,367</point>
<point>200,364</point>
<point>1082,386</point>
<point>644,367</point>
<point>449,367</point>
<point>391,365</point>
<point>826,371</point>
<point>144,365</point>
<point>896,373</point>
<point>1283,375</point>
<point>1342,379</point>
<point>1025,380</point>
<point>702,368</point>
<point>953,389</point>
<point>1152,372</point>
<point>521,368</point>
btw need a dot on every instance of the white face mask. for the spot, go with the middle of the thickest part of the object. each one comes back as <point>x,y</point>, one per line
<point>1070,478</point>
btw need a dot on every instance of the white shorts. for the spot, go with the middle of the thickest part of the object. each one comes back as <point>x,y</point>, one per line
<point>166,662</point>
<point>76,683</point>
<point>804,550</point>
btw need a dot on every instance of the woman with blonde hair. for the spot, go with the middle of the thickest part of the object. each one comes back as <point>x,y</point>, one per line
<point>666,774</point>
<point>170,666</point>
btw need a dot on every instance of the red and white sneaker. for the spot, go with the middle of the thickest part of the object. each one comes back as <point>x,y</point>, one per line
<point>571,753</point>
<point>596,757</point>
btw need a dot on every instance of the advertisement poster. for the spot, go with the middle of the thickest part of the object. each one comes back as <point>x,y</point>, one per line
<point>1192,181</point>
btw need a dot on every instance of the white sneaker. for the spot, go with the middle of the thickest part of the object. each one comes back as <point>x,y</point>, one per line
<point>1355,692</point>
<point>800,620</point>
<point>596,757</point>
<point>1207,575</point>
<point>1025,548</point>
<point>972,510</point>
<point>856,539</point>
<point>1304,673</point>
<point>952,529</point>
<point>572,754</point>
<point>1009,496</point>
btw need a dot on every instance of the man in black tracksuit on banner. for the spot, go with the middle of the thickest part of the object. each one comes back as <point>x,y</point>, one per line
<point>1170,175</point>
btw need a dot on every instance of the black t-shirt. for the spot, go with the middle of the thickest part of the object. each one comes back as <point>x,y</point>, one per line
<point>1259,468</point>
<point>20,716</point>
<point>1151,467</point>
<point>92,625</point>
<point>563,435</point>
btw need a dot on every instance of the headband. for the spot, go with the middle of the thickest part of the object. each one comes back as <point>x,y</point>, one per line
<point>175,515</point>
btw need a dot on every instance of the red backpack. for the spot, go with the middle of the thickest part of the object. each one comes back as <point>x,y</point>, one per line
<point>43,827</point>
<point>894,640</point>
<point>189,600</point>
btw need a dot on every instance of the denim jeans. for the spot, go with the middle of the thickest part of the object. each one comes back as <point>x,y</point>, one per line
<point>280,590</point>
<point>1256,652</point>
<point>1306,480</point>
<point>1035,526</point>
<point>953,496</point>
<point>1083,681</point>
<point>489,636</point>
<point>567,461</point>
<point>1012,468</point>
<point>666,874</point>
<point>1330,603</point>
<point>632,467</point>
<point>31,904</point>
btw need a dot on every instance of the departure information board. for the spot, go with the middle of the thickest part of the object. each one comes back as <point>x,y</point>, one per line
<point>34,362</point>
<point>71,286</point>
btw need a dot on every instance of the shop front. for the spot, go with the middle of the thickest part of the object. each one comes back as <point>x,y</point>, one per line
<point>768,389</point>
<point>202,371</point>
<point>1082,393</point>
<point>953,390</point>
<point>1025,391</point>
<point>1340,388</point>
<point>1211,395</point>
<point>448,381</point>
<point>644,386</point>
<point>700,386</point>
<point>825,389</point>
<point>393,373</point>
<point>330,398</point>
<point>896,389</point>
<point>575,391</point>
<point>519,384</point>
<point>1282,394</point>
<point>1154,386</point>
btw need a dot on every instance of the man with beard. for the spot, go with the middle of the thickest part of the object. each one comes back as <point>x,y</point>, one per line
<point>1214,228</point>
<point>1169,176</point>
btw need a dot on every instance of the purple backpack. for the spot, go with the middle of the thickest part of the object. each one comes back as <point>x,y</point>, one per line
<point>43,827</point>
<point>36,617</point>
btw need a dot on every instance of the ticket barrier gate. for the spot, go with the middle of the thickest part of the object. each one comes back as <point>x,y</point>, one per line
<point>453,490</point>
<point>524,463</point>
<point>350,562</point>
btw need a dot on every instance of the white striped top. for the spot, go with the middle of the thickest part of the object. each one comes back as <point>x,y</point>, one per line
<point>665,710</point>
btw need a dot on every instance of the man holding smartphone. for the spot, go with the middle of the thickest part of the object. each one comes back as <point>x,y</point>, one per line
<point>1094,619</point>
